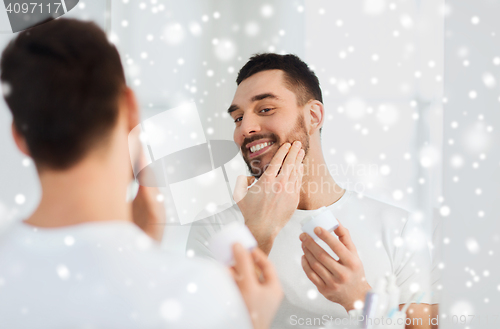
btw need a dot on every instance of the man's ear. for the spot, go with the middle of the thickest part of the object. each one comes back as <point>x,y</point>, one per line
<point>20,141</point>
<point>317,116</point>
<point>132,108</point>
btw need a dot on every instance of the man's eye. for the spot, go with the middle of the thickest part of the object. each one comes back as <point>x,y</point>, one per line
<point>238,119</point>
<point>265,110</point>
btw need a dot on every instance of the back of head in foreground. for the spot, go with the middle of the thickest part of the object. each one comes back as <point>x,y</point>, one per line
<point>62,81</point>
<point>72,111</point>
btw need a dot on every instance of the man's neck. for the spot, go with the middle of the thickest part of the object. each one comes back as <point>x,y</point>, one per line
<point>318,186</point>
<point>91,191</point>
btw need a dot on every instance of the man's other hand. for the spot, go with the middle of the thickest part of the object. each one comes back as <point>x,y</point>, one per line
<point>270,203</point>
<point>258,283</point>
<point>340,281</point>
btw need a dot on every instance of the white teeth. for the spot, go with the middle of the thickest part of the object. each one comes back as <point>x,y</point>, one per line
<point>258,147</point>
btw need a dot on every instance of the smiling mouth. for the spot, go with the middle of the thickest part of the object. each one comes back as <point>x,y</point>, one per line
<point>259,149</point>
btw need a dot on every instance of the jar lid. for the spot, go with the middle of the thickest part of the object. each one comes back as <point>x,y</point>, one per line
<point>323,218</point>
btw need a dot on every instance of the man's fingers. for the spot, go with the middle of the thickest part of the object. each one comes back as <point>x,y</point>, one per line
<point>292,178</point>
<point>300,174</point>
<point>337,246</point>
<point>345,237</point>
<point>241,187</point>
<point>288,164</point>
<point>233,274</point>
<point>311,274</point>
<point>267,268</point>
<point>250,180</point>
<point>276,162</point>
<point>318,267</point>
<point>243,262</point>
<point>298,167</point>
<point>300,157</point>
<point>321,255</point>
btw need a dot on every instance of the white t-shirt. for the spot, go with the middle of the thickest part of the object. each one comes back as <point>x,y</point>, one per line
<point>109,275</point>
<point>386,239</point>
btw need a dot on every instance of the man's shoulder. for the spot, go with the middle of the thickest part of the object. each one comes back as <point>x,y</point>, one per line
<point>369,201</point>
<point>220,218</point>
<point>167,266</point>
<point>196,269</point>
<point>164,278</point>
<point>372,208</point>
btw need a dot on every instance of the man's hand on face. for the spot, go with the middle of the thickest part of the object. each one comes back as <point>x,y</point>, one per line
<point>258,283</point>
<point>341,281</point>
<point>269,204</point>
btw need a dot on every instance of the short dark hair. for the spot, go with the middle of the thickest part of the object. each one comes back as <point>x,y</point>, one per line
<point>62,82</point>
<point>298,77</point>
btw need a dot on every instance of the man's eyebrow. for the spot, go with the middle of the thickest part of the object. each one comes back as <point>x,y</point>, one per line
<point>232,108</point>
<point>255,98</point>
<point>263,96</point>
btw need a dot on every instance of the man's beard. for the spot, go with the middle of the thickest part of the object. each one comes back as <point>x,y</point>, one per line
<point>298,133</point>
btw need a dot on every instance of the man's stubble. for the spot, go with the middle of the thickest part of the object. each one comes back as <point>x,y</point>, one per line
<point>298,133</point>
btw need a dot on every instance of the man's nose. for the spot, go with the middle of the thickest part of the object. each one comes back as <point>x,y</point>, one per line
<point>249,126</point>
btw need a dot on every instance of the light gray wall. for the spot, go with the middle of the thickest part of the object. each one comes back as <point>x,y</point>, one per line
<point>471,163</point>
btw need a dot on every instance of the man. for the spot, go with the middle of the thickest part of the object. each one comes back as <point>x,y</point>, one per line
<point>79,261</point>
<point>278,100</point>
